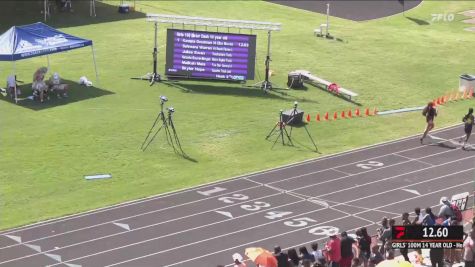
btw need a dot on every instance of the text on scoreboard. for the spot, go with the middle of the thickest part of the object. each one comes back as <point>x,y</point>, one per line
<point>210,55</point>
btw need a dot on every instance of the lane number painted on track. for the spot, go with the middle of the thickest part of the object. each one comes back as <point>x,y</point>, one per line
<point>299,222</point>
<point>324,230</point>
<point>232,199</point>
<point>272,215</point>
<point>370,165</point>
<point>209,192</point>
<point>257,206</point>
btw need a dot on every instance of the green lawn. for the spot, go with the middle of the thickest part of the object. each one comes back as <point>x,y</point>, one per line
<point>46,149</point>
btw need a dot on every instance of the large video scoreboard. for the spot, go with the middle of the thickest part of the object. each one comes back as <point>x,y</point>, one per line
<point>210,55</point>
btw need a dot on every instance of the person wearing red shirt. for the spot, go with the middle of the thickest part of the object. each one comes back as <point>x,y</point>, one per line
<point>333,248</point>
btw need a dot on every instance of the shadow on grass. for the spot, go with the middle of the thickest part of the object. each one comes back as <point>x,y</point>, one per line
<point>76,93</point>
<point>276,136</point>
<point>237,90</point>
<point>26,12</point>
<point>418,21</point>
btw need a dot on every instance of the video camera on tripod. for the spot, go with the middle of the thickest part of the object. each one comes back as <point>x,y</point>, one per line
<point>293,118</point>
<point>167,124</point>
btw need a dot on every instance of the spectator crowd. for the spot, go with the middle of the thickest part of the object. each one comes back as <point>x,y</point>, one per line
<point>360,249</point>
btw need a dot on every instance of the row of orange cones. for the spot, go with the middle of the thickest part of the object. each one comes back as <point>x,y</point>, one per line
<point>453,97</point>
<point>344,115</point>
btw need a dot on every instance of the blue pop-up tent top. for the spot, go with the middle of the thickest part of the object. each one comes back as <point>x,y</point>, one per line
<point>38,39</point>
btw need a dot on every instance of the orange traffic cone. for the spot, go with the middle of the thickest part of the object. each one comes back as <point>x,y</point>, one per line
<point>308,117</point>
<point>326,116</point>
<point>343,114</point>
<point>335,115</point>
<point>357,112</point>
<point>434,102</point>
<point>349,114</point>
<point>318,117</point>
<point>470,93</point>
<point>366,112</point>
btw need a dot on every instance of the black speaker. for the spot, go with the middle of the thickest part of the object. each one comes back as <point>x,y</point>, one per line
<point>294,81</point>
<point>293,116</point>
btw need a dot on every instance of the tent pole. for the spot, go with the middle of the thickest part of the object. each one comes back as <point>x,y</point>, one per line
<point>92,8</point>
<point>95,66</point>
<point>14,75</point>
<point>44,11</point>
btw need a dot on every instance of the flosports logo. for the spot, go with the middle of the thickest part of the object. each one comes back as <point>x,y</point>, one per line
<point>24,45</point>
<point>55,40</point>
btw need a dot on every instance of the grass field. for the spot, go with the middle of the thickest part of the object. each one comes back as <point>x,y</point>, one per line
<point>46,149</point>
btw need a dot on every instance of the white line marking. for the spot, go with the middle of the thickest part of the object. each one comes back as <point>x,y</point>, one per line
<point>159,237</point>
<point>225,213</point>
<point>372,169</point>
<point>34,247</point>
<point>377,181</point>
<point>14,237</point>
<point>345,173</point>
<point>238,231</point>
<point>316,197</point>
<point>123,225</point>
<point>53,256</point>
<point>413,159</point>
<point>255,241</point>
<point>411,191</point>
<point>185,190</point>
<point>394,189</point>
<point>134,216</point>
<point>73,265</point>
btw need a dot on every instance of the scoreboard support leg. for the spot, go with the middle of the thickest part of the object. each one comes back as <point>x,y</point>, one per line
<point>153,77</point>
<point>266,85</point>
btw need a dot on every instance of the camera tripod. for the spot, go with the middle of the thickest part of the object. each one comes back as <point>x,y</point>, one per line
<point>171,135</point>
<point>281,131</point>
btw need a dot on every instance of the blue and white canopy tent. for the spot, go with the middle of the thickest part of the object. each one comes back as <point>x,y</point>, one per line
<point>38,39</point>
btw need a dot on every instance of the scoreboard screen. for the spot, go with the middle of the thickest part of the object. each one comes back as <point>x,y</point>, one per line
<point>210,55</point>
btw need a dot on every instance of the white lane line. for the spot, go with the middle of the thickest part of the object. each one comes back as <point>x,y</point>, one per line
<point>398,188</point>
<point>345,173</point>
<point>225,213</point>
<point>286,233</point>
<point>134,216</point>
<point>414,159</point>
<point>362,161</point>
<point>411,191</point>
<point>123,225</point>
<point>244,178</point>
<point>185,190</point>
<point>147,226</point>
<point>316,197</point>
<point>34,247</point>
<point>257,226</point>
<point>379,180</point>
<point>155,238</point>
<point>53,256</point>
<point>160,252</point>
<point>14,238</point>
<point>199,227</point>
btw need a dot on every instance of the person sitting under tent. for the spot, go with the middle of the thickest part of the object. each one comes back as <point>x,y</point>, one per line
<point>11,85</point>
<point>55,86</point>
<point>40,89</point>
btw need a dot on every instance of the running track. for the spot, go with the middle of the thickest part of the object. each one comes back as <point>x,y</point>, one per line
<point>290,206</point>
